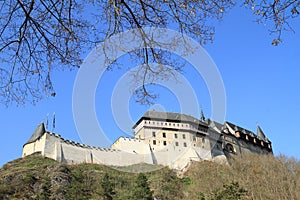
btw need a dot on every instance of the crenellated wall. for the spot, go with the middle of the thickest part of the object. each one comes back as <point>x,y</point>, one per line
<point>124,152</point>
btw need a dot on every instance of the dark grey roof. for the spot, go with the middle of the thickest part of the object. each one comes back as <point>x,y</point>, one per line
<point>168,116</point>
<point>240,129</point>
<point>39,131</point>
<point>261,134</point>
<point>218,125</point>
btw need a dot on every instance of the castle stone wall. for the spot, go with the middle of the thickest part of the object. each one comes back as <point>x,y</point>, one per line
<point>131,145</point>
<point>124,152</point>
<point>37,146</point>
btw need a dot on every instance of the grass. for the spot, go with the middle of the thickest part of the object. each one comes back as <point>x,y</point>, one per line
<point>263,177</point>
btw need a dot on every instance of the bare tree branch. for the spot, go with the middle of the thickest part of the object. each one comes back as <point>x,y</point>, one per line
<point>39,36</point>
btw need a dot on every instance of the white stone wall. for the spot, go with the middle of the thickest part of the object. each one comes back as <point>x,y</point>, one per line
<point>131,145</point>
<point>124,152</point>
<point>37,146</point>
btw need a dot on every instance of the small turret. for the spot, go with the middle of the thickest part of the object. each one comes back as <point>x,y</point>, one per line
<point>202,117</point>
<point>261,134</point>
<point>39,131</point>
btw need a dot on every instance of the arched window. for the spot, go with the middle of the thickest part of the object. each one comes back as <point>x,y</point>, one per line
<point>230,148</point>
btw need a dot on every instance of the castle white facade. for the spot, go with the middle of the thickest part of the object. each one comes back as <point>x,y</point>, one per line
<point>161,138</point>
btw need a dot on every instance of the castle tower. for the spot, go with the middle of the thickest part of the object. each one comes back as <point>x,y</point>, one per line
<point>32,146</point>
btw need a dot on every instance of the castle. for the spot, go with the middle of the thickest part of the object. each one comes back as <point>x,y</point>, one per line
<point>160,138</point>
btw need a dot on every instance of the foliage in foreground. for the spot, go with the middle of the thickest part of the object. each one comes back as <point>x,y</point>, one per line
<point>249,177</point>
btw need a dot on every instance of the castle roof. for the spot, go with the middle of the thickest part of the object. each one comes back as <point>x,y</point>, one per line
<point>260,135</point>
<point>39,131</point>
<point>218,125</point>
<point>169,116</point>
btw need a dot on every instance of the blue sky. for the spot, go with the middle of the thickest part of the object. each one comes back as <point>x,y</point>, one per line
<point>262,87</point>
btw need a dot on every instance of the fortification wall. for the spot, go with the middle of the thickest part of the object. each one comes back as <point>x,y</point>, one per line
<point>131,145</point>
<point>124,152</point>
<point>50,150</point>
<point>68,151</point>
<point>120,158</point>
<point>37,146</point>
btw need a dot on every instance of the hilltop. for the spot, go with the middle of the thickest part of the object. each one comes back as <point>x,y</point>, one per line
<point>250,177</point>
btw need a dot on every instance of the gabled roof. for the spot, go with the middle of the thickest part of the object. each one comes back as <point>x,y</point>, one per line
<point>260,135</point>
<point>169,116</point>
<point>240,129</point>
<point>39,131</point>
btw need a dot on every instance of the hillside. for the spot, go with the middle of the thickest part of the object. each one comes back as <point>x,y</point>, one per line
<point>250,177</point>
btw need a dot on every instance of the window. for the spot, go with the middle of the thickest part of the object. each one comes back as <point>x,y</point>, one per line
<point>175,135</point>
<point>176,144</point>
<point>153,134</point>
<point>194,138</point>
<point>154,142</point>
<point>164,134</point>
<point>230,148</point>
<point>184,144</point>
<point>183,136</point>
<point>165,143</point>
<point>203,140</point>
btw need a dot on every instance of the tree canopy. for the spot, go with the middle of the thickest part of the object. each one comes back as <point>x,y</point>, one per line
<point>39,36</point>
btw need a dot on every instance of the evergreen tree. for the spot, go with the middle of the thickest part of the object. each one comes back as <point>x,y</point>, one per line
<point>142,189</point>
<point>230,191</point>
<point>170,186</point>
<point>108,187</point>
